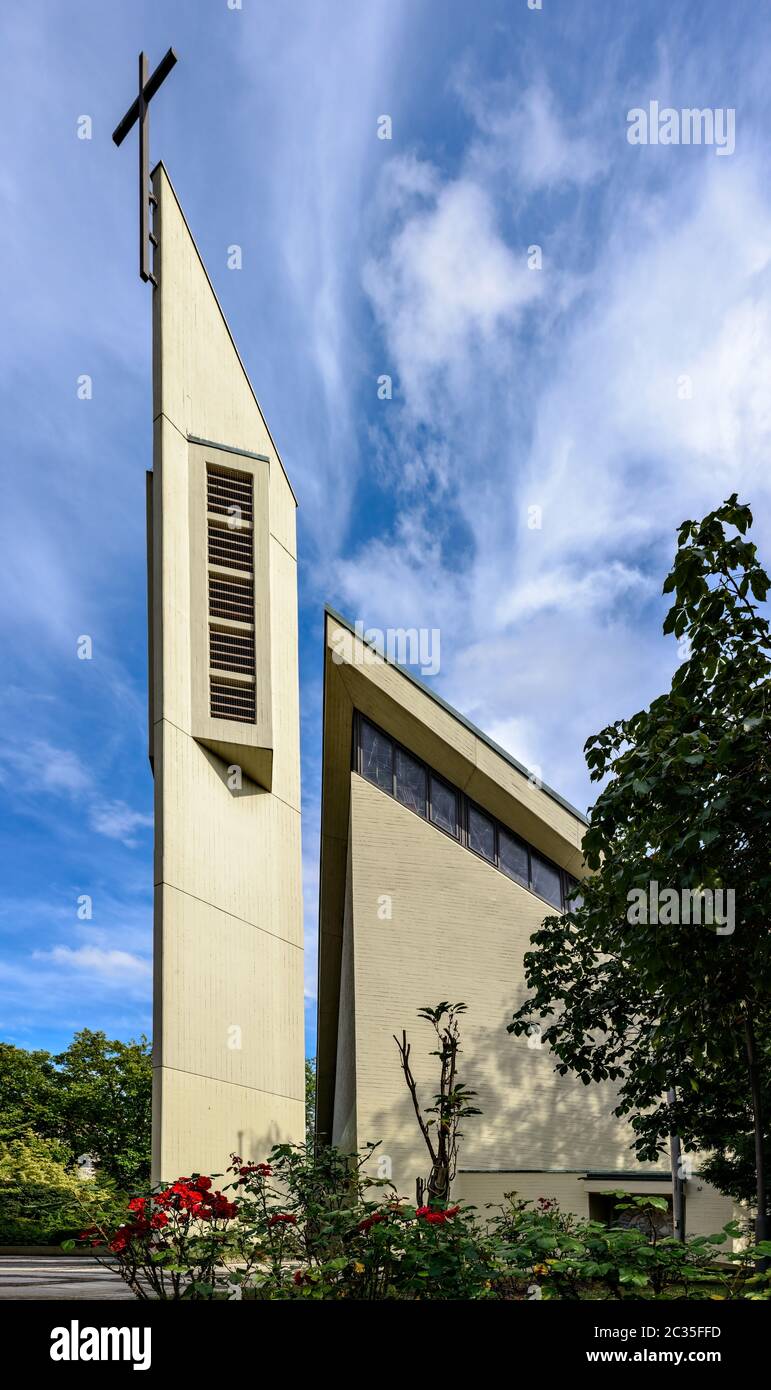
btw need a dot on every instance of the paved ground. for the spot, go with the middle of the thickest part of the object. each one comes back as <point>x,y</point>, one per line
<point>58,1276</point>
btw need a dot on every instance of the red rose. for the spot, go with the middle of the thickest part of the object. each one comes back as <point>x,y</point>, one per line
<point>373,1220</point>
<point>202,1184</point>
<point>436,1216</point>
<point>222,1207</point>
<point>121,1239</point>
<point>283,1218</point>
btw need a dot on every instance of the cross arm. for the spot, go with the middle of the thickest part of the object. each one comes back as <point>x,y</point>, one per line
<point>151,87</point>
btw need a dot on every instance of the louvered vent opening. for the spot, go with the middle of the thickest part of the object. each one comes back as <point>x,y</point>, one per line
<point>231,598</point>
<point>230,700</point>
<point>230,547</point>
<point>229,493</point>
<point>231,651</point>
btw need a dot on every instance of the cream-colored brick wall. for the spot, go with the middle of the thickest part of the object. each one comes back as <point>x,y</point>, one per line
<point>706,1210</point>
<point>344,1122</point>
<point>458,930</point>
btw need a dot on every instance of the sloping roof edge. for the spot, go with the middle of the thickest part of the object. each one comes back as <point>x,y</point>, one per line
<point>161,165</point>
<point>455,714</point>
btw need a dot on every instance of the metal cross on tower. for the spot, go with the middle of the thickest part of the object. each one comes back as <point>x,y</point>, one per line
<point>139,111</point>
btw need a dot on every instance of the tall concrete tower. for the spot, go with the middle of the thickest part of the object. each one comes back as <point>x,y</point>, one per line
<point>224,738</point>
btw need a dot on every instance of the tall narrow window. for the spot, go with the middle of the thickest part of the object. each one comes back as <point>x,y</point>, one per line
<point>574,898</point>
<point>230,556</point>
<point>546,879</point>
<point>410,782</point>
<point>444,806</point>
<point>376,757</point>
<point>481,834</point>
<point>513,857</point>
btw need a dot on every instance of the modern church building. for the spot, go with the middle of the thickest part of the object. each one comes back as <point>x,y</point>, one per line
<point>440,856</point>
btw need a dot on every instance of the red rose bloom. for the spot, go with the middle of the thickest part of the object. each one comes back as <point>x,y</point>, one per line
<point>373,1220</point>
<point>263,1170</point>
<point>222,1207</point>
<point>121,1239</point>
<point>436,1216</point>
<point>283,1218</point>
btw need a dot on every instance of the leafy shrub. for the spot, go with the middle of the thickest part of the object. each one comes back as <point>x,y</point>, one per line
<point>42,1198</point>
<point>175,1243</point>
<point>311,1226</point>
<point>571,1258</point>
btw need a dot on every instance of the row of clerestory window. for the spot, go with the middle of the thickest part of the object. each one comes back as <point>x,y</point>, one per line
<point>392,768</point>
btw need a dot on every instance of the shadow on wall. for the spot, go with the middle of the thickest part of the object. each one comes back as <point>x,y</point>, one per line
<point>531,1118</point>
<point>233,778</point>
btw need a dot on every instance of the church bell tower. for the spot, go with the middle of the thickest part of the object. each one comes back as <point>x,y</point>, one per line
<point>224,737</point>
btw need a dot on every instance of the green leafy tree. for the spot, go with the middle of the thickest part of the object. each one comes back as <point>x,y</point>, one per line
<point>310,1101</point>
<point>106,1103</point>
<point>95,1097</point>
<point>644,1003</point>
<point>30,1096</point>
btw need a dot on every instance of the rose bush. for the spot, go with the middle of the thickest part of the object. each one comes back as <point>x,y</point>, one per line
<point>317,1226</point>
<point>176,1242</point>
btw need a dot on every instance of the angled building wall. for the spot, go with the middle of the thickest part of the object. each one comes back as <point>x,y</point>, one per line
<point>224,739</point>
<point>410,915</point>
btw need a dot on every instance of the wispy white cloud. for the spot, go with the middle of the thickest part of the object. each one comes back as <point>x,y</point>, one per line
<point>102,967</point>
<point>32,774</point>
<point>528,140</point>
<point>645,403</point>
<point>117,821</point>
<point>446,286</point>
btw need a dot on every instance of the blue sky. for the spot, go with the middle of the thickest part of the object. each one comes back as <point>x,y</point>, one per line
<point>620,388</point>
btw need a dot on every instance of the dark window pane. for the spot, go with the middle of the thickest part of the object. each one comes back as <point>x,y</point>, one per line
<point>481,833</point>
<point>444,806</point>
<point>377,754</point>
<point>574,898</point>
<point>546,879</point>
<point>512,856</point>
<point>410,782</point>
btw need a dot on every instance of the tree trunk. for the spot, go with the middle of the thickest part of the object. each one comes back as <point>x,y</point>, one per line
<point>762,1222</point>
<point>678,1186</point>
<point>439,1185</point>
